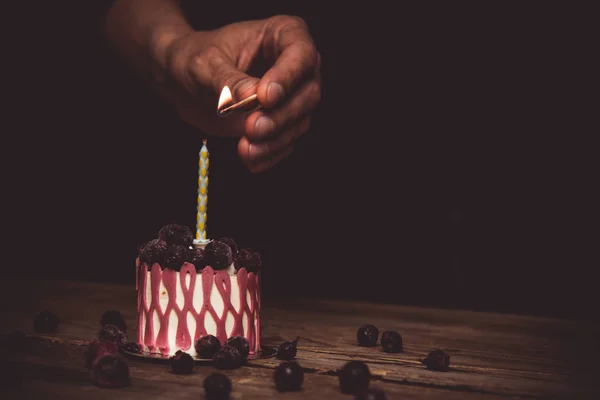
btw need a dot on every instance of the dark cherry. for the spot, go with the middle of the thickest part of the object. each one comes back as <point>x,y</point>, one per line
<point>217,386</point>
<point>112,333</point>
<point>288,376</point>
<point>175,256</point>
<point>232,244</point>
<point>207,346</point>
<point>248,259</point>
<point>175,234</point>
<point>99,348</point>
<point>228,357</point>
<point>241,344</point>
<point>354,377</point>
<point>437,360</point>
<point>182,363</point>
<point>371,394</point>
<point>132,347</point>
<point>391,342</point>
<point>110,371</point>
<point>45,322</point>
<point>113,317</point>
<point>287,350</point>
<point>154,252</point>
<point>218,255</point>
<point>367,335</point>
<point>196,257</point>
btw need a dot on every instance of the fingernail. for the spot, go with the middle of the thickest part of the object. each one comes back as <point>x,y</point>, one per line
<point>274,93</point>
<point>264,126</point>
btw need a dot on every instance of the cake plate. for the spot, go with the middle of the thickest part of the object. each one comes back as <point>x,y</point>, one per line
<point>266,352</point>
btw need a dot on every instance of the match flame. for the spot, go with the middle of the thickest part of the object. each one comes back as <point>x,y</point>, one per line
<point>225,98</point>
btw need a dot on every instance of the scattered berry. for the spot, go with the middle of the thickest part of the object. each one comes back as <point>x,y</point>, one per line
<point>132,347</point>
<point>437,360</point>
<point>207,346</point>
<point>110,371</point>
<point>175,256</point>
<point>97,349</point>
<point>154,252</point>
<point>113,317</point>
<point>196,257</point>
<point>367,335</point>
<point>218,255</point>
<point>111,333</point>
<point>287,350</point>
<point>217,386</point>
<point>248,259</point>
<point>391,341</point>
<point>45,322</point>
<point>174,234</point>
<point>241,344</point>
<point>371,394</point>
<point>182,363</point>
<point>355,377</point>
<point>232,244</point>
<point>227,358</point>
<point>288,376</point>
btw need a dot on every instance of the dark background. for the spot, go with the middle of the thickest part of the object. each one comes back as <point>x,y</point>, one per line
<point>449,164</point>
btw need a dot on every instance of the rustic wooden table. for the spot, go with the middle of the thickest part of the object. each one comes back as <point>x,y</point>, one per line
<point>493,356</point>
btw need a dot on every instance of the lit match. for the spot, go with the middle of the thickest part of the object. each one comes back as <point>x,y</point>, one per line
<point>225,106</point>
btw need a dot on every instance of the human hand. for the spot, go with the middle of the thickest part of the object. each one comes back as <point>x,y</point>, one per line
<point>199,64</point>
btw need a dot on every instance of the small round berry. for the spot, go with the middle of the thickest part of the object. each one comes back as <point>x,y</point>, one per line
<point>354,377</point>
<point>110,371</point>
<point>218,255</point>
<point>207,346</point>
<point>175,234</point>
<point>217,386</point>
<point>196,257</point>
<point>437,360</point>
<point>111,333</point>
<point>232,244</point>
<point>97,349</point>
<point>371,394</point>
<point>182,363</point>
<point>45,322</point>
<point>154,252</point>
<point>132,347</point>
<point>227,358</point>
<point>391,342</point>
<point>367,335</point>
<point>288,376</point>
<point>287,350</point>
<point>248,259</point>
<point>175,256</point>
<point>241,344</point>
<point>113,317</point>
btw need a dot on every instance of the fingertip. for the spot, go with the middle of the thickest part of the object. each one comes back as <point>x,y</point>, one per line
<point>270,93</point>
<point>244,150</point>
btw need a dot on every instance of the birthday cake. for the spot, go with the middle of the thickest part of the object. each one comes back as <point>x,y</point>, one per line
<point>190,290</point>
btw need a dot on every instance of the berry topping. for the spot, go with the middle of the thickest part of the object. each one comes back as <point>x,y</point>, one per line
<point>227,358</point>
<point>196,257</point>
<point>367,335</point>
<point>113,317</point>
<point>232,244</point>
<point>354,377</point>
<point>218,255</point>
<point>217,386</point>
<point>437,360</point>
<point>288,376</point>
<point>391,341</point>
<point>132,347</point>
<point>182,363</point>
<point>175,256</point>
<point>99,348</point>
<point>175,234</point>
<point>110,371</point>
<point>241,344</point>
<point>154,252</point>
<point>207,346</point>
<point>287,350</point>
<point>45,322</point>
<point>111,333</point>
<point>371,394</point>
<point>248,259</point>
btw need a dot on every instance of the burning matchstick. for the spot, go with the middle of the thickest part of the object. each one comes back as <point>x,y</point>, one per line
<point>225,106</point>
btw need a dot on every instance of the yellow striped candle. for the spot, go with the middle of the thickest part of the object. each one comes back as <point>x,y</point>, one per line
<point>202,195</point>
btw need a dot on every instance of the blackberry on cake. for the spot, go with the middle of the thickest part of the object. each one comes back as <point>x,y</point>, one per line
<point>287,350</point>
<point>217,386</point>
<point>154,252</point>
<point>232,244</point>
<point>174,234</point>
<point>354,377</point>
<point>113,317</point>
<point>110,371</point>
<point>45,322</point>
<point>288,377</point>
<point>196,257</point>
<point>437,360</point>
<point>112,333</point>
<point>391,342</point>
<point>248,259</point>
<point>241,344</point>
<point>182,363</point>
<point>207,346</point>
<point>218,255</point>
<point>132,347</point>
<point>175,256</point>
<point>228,357</point>
<point>367,335</point>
